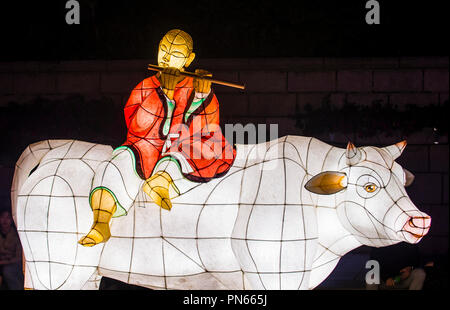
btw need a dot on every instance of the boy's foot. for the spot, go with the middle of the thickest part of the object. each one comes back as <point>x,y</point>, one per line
<point>99,233</point>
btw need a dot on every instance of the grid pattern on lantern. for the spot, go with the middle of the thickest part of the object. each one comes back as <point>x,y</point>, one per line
<point>252,228</point>
<point>53,168</point>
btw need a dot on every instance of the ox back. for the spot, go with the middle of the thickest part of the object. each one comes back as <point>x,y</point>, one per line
<point>253,228</point>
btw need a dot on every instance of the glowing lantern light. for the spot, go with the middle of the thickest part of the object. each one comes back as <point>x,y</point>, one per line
<point>281,217</point>
<point>201,214</point>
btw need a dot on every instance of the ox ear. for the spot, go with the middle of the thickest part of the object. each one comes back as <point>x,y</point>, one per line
<point>409,177</point>
<point>353,154</point>
<point>396,149</point>
<point>327,183</point>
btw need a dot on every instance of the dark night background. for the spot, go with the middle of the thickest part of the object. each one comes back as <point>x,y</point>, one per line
<point>35,30</point>
<point>35,36</point>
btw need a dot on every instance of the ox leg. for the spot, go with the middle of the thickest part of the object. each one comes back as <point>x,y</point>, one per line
<point>274,265</point>
<point>27,283</point>
<point>93,283</point>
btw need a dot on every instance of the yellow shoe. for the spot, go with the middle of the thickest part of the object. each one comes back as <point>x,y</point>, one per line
<point>157,187</point>
<point>99,233</point>
<point>103,208</point>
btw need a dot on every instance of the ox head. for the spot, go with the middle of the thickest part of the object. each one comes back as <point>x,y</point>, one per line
<point>369,194</point>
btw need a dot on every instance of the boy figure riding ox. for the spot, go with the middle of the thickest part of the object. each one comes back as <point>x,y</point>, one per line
<point>170,117</point>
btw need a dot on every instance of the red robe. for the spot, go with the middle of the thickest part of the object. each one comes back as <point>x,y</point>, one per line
<point>200,139</point>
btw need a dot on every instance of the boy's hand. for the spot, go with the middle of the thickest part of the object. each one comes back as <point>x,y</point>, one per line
<point>169,78</point>
<point>201,85</point>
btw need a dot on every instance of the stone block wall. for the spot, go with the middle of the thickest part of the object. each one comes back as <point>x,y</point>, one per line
<point>276,89</point>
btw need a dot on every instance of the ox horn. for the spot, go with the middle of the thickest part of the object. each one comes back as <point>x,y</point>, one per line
<point>409,177</point>
<point>396,149</point>
<point>353,154</point>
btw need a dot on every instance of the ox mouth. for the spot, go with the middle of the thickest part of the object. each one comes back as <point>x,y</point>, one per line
<point>417,226</point>
<point>415,235</point>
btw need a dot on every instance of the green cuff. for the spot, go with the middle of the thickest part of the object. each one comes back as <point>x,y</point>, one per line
<point>120,211</point>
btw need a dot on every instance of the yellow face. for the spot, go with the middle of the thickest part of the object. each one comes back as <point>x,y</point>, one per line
<point>175,50</point>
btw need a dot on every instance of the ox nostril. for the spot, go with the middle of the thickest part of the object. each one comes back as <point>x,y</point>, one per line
<point>417,226</point>
<point>420,222</point>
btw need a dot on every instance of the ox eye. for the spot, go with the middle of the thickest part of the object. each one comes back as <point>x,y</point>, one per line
<point>370,188</point>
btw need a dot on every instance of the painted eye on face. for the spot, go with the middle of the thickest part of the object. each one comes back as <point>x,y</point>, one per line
<point>370,187</point>
<point>163,48</point>
<point>178,55</point>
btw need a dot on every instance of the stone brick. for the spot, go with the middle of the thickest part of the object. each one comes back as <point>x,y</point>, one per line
<point>7,67</point>
<point>436,80</point>
<point>270,105</point>
<point>440,220</point>
<point>34,83</point>
<point>6,177</point>
<point>445,187</point>
<point>73,66</point>
<point>50,66</point>
<point>361,62</point>
<point>78,82</point>
<point>440,245</point>
<point>425,136</point>
<point>425,246</point>
<point>286,126</point>
<point>424,62</point>
<point>426,189</point>
<point>397,80</point>
<point>244,121</point>
<point>428,209</point>
<point>383,62</point>
<point>131,65</point>
<point>264,81</point>
<point>84,97</point>
<point>337,100</point>
<point>229,76</point>
<point>312,81</point>
<point>340,139</point>
<point>379,140</point>
<point>5,100</point>
<point>415,158</point>
<point>441,139</point>
<point>120,82</point>
<point>212,64</point>
<point>6,83</point>
<point>314,100</point>
<point>439,158</point>
<point>233,105</point>
<point>419,99</point>
<point>443,97</point>
<point>289,64</point>
<point>26,66</point>
<point>345,62</point>
<point>117,100</point>
<point>354,81</point>
<point>336,139</point>
<point>367,99</point>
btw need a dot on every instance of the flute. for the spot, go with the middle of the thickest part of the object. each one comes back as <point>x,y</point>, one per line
<point>191,74</point>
